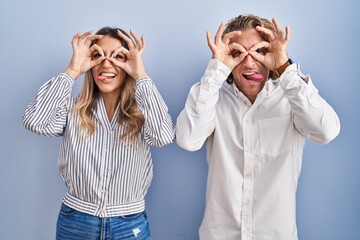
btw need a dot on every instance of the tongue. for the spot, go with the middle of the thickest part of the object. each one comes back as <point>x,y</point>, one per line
<point>102,77</point>
<point>254,77</point>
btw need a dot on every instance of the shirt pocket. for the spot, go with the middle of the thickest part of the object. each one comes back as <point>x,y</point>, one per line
<point>275,135</point>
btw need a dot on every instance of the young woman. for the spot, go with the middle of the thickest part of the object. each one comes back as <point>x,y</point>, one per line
<point>107,131</point>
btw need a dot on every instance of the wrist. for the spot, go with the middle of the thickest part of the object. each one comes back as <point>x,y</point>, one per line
<point>139,75</point>
<point>73,73</point>
<point>281,69</point>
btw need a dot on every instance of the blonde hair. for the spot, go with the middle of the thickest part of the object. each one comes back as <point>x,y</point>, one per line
<point>243,22</point>
<point>130,116</point>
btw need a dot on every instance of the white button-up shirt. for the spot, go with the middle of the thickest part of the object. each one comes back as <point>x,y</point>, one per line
<point>254,151</point>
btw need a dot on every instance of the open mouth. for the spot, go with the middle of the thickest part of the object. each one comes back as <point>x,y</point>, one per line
<point>253,76</point>
<point>106,75</point>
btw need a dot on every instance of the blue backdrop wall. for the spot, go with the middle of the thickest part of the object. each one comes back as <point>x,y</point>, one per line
<point>35,45</point>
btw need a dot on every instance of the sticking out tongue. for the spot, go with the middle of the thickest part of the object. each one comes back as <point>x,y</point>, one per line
<point>254,77</point>
<point>104,76</point>
<point>101,78</point>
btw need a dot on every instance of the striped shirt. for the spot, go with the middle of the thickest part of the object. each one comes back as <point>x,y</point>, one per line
<point>104,176</point>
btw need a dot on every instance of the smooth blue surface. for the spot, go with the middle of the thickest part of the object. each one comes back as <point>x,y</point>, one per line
<point>35,45</point>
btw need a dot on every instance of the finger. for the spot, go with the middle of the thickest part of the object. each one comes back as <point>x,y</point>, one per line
<point>137,40</point>
<point>279,31</point>
<point>126,39</point>
<point>97,61</point>
<point>92,38</point>
<point>277,25</point>
<point>117,63</point>
<point>234,34</point>
<point>238,52</point>
<point>85,35</point>
<point>209,40</point>
<point>267,32</point>
<point>288,35</point>
<point>143,42</point>
<point>122,51</point>
<point>219,33</point>
<point>237,46</point>
<point>241,57</point>
<point>74,41</point>
<point>257,56</point>
<point>262,44</point>
<point>97,48</point>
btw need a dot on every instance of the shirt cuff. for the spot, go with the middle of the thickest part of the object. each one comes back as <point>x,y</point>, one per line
<point>143,80</point>
<point>215,74</point>
<point>68,78</point>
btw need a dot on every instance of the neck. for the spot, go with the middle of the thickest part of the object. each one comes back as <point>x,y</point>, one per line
<point>111,102</point>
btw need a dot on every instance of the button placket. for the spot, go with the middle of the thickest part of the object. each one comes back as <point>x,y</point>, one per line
<point>247,175</point>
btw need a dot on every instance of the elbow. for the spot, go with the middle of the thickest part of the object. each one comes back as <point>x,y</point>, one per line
<point>186,144</point>
<point>28,124</point>
<point>327,138</point>
<point>40,129</point>
<point>164,142</point>
<point>328,135</point>
<point>167,137</point>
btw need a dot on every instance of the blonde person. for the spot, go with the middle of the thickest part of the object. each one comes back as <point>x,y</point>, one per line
<point>106,131</point>
<point>255,109</point>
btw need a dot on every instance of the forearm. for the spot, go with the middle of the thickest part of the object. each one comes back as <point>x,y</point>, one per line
<point>47,114</point>
<point>197,121</point>
<point>158,127</point>
<point>313,116</point>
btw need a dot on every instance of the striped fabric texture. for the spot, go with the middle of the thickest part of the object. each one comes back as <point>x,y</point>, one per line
<point>105,176</point>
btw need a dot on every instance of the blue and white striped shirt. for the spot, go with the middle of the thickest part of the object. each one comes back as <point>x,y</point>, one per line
<point>104,176</point>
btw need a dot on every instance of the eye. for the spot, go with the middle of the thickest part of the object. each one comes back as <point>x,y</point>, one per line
<point>262,51</point>
<point>235,53</point>
<point>118,56</point>
<point>96,55</point>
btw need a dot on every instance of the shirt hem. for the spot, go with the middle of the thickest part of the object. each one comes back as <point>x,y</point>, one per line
<point>101,210</point>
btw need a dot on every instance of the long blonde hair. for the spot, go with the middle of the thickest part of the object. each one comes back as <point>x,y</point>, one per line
<point>129,116</point>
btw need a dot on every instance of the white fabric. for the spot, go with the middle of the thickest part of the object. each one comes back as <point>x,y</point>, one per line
<point>254,151</point>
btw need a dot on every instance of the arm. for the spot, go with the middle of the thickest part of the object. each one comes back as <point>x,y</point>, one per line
<point>196,122</point>
<point>158,127</point>
<point>47,114</point>
<point>313,116</point>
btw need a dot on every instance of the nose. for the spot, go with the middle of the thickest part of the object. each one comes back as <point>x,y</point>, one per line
<point>249,61</point>
<point>107,62</point>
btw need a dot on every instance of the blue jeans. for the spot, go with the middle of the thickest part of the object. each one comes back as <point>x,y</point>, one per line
<point>75,225</point>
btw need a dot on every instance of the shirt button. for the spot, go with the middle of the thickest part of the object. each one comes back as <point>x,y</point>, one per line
<point>248,174</point>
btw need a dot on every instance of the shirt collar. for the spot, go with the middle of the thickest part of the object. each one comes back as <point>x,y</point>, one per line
<point>269,87</point>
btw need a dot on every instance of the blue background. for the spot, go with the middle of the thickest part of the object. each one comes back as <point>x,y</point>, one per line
<point>35,45</point>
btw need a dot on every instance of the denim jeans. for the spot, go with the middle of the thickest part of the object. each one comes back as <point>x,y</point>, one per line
<point>75,225</point>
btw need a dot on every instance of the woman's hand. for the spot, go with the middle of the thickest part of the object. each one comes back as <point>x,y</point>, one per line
<point>132,59</point>
<point>272,54</point>
<point>82,59</point>
<point>231,54</point>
